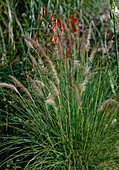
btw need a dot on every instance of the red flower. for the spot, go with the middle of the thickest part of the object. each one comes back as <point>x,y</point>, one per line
<point>56,21</point>
<point>54,27</point>
<point>41,17</point>
<point>72,16</point>
<point>60,22</point>
<point>68,54</point>
<point>74,21</point>
<point>44,11</point>
<point>75,30</point>
<point>69,60</point>
<point>79,31</point>
<point>51,46</point>
<point>67,22</point>
<point>73,26</point>
<point>62,32</point>
<point>56,40</point>
<point>52,18</point>
<point>53,38</point>
<point>36,41</point>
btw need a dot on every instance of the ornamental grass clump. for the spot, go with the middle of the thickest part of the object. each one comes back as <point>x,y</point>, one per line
<point>63,112</point>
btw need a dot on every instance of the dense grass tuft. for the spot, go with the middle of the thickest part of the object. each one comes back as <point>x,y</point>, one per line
<point>59,110</point>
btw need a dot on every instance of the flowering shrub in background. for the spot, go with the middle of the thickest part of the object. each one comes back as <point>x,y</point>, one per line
<point>59,27</point>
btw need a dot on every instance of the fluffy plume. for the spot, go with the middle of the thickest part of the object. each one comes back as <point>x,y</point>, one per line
<point>53,71</point>
<point>88,38</point>
<point>83,85</point>
<point>106,102</point>
<point>35,87</point>
<point>41,65</point>
<point>50,101</point>
<point>71,79</point>
<point>92,54</point>
<point>76,90</point>
<point>77,94</point>
<point>32,42</point>
<point>110,44</point>
<point>86,70</point>
<point>12,87</point>
<point>21,86</point>
<point>33,61</point>
<point>77,63</point>
<point>54,88</point>
<point>40,82</point>
<point>113,121</point>
<point>87,78</point>
<point>104,127</point>
<point>48,59</point>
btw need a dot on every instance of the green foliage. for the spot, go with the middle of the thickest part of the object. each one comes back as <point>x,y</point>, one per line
<point>62,111</point>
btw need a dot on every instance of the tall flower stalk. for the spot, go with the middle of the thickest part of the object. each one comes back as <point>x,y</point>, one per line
<point>114,12</point>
